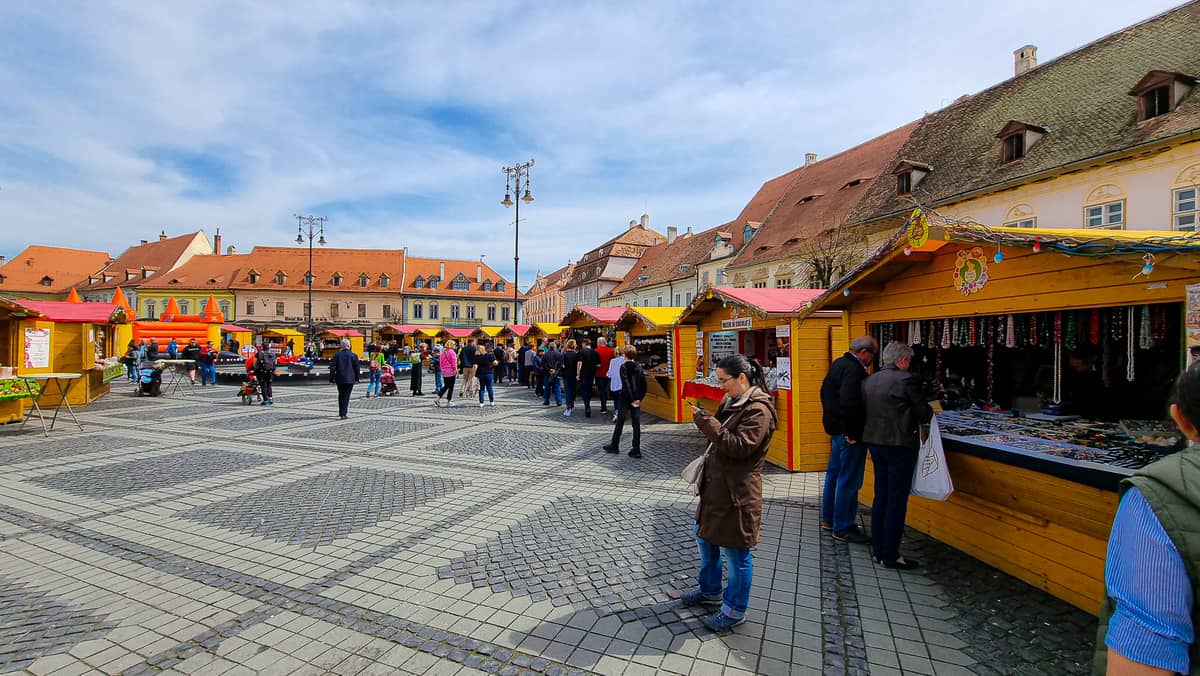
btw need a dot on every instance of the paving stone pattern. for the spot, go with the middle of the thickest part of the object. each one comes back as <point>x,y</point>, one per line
<point>559,563</point>
<point>319,510</point>
<point>34,624</point>
<point>135,476</point>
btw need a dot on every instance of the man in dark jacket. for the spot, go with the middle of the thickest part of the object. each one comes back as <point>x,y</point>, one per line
<point>633,389</point>
<point>589,361</point>
<point>843,415</point>
<point>343,372</point>
<point>895,410</point>
<point>552,362</point>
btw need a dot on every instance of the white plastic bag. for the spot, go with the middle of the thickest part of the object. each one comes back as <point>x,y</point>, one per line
<point>931,477</point>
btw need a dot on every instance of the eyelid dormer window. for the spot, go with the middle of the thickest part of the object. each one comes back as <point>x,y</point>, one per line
<point>909,175</point>
<point>1160,92</point>
<point>1016,138</point>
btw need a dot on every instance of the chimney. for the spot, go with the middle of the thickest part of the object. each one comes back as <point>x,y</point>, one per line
<point>689,232</point>
<point>2,259</point>
<point>145,241</point>
<point>162,236</point>
<point>230,250</point>
<point>632,225</point>
<point>442,270</point>
<point>1024,60</point>
<point>672,233</point>
<point>809,158</point>
<point>217,242</point>
<point>646,221</point>
<point>479,273</point>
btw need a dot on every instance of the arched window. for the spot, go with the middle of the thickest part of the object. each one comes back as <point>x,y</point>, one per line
<point>504,314</point>
<point>280,278</point>
<point>433,310</point>
<point>418,310</point>
<point>364,280</point>
<point>337,279</point>
<point>225,307</point>
<point>1104,208</point>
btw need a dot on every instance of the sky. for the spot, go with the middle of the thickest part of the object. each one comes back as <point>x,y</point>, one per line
<point>393,119</point>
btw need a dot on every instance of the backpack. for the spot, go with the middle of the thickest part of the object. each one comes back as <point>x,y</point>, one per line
<point>264,362</point>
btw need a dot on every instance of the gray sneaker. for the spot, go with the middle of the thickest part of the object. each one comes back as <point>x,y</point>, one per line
<point>853,535</point>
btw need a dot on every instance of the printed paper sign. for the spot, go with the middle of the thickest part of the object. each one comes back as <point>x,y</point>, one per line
<point>37,348</point>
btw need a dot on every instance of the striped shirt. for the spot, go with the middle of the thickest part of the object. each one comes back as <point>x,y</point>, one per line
<point>1147,580</point>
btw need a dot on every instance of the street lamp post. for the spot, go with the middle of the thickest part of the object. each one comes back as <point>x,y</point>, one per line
<point>512,183</point>
<point>311,227</point>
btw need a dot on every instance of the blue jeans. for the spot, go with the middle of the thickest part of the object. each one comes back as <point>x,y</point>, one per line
<point>208,373</point>
<point>843,478</point>
<point>437,378</point>
<point>373,382</point>
<point>131,372</point>
<point>894,467</point>
<point>485,383</point>
<point>736,598</point>
<point>555,382</point>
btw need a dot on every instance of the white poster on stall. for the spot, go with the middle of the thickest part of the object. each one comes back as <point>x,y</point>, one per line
<point>721,344</point>
<point>783,365</point>
<point>1192,319</point>
<point>37,348</point>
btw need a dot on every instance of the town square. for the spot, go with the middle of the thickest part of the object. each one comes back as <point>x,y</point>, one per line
<point>778,379</point>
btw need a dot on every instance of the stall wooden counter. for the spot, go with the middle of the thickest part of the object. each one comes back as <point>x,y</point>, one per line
<point>762,323</point>
<point>1013,329</point>
<point>277,340</point>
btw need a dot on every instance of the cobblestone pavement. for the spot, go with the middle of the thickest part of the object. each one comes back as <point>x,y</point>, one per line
<point>194,534</point>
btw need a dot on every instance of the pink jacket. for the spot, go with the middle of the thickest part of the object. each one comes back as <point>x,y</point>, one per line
<point>449,363</point>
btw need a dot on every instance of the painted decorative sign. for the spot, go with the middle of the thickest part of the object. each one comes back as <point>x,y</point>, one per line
<point>918,229</point>
<point>970,271</point>
<point>737,324</point>
<point>1192,319</point>
<point>37,348</point>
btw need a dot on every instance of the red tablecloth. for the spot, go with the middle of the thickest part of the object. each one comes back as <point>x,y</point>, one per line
<point>695,390</point>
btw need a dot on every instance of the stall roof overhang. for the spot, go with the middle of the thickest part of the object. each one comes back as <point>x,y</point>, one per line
<point>891,258</point>
<point>592,315</point>
<point>460,333</point>
<point>651,317</point>
<point>764,302</point>
<point>518,329</point>
<point>342,333</point>
<point>283,332</point>
<point>234,328</point>
<point>79,313</point>
<point>15,310</point>
<point>491,331</point>
<point>550,328</point>
<point>408,328</point>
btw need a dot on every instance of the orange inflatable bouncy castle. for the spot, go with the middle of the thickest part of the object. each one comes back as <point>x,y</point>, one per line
<point>203,327</point>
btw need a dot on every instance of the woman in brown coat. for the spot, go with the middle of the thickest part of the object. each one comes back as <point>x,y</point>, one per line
<point>730,511</point>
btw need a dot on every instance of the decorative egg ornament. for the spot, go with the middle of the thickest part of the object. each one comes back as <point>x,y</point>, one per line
<point>1037,245</point>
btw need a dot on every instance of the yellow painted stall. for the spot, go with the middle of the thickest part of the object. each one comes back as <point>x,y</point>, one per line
<point>1052,352</point>
<point>763,323</point>
<point>277,339</point>
<point>331,341</point>
<point>518,334</point>
<point>546,331</point>
<point>592,322</point>
<point>232,332</point>
<point>13,320</point>
<point>665,353</point>
<point>487,333</point>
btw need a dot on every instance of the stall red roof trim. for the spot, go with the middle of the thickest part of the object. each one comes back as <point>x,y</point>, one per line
<point>234,328</point>
<point>345,333</point>
<point>460,333</point>
<point>410,328</point>
<point>64,311</point>
<point>771,301</point>
<point>519,329</point>
<point>605,315</point>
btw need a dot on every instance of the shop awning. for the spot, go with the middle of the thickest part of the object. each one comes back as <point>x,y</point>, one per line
<point>291,333</point>
<point>234,328</point>
<point>592,315</point>
<point>405,329</point>
<point>767,301</point>
<point>67,312</point>
<point>429,331</point>
<point>491,331</point>
<point>342,333</point>
<point>654,317</point>
<point>460,333</point>
<point>549,328</point>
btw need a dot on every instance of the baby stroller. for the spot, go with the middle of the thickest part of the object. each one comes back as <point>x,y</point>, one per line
<point>387,378</point>
<point>249,390</point>
<point>149,379</point>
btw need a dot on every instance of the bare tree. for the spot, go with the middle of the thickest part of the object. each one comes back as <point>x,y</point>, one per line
<point>826,256</point>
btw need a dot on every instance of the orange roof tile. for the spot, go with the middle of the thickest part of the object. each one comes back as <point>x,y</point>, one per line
<point>665,262</point>
<point>158,255</point>
<point>474,273</point>
<point>200,272</point>
<point>65,268</point>
<point>268,261</point>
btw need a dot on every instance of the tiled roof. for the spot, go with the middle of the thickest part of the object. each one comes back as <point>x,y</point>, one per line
<point>770,301</point>
<point>159,256</point>
<point>66,268</point>
<point>431,267</point>
<point>665,262</point>
<point>201,272</point>
<point>62,311</point>
<point>558,275</point>
<point>268,261</point>
<point>631,243</point>
<point>820,195</point>
<point>1081,97</point>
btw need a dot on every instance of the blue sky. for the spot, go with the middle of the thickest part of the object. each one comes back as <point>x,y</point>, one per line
<point>393,118</point>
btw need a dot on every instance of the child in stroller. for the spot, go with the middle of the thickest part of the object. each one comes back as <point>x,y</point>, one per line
<point>150,378</point>
<point>387,378</point>
<point>249,390</point>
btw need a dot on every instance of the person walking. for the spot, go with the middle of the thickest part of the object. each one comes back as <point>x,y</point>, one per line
<point>633,388</point>
<point>538,374</point>
<point>131,359</point>
<point>894,411</point>
<point>448,362</point>
<point>191,353</point>
<point>375,362</point>
<point>435,367</point>
<point>552,378</point>
<point>510,364</point>
<point>528,372</point>
<point>485,370</point>
<point>843,415</point>
<point>419,360</point>
<point>343,372</point>
<point>589,361</point>
<point>466,362</point>
<point>208,364</point>
<point>264,372</point>
<point>1148,620</point>
<point>731,501</point>
<point>570,375</point>
<point>614,382</point>
<point>603,381</point>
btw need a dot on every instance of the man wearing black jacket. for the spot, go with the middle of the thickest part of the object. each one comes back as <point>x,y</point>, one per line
<point>633,389</point>
<point>343,372</point>
<point>843,415</point>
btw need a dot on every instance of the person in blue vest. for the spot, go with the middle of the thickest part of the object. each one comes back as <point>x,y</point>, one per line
<point>1152,569</point>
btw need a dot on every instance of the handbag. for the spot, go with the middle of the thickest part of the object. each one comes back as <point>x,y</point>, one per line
<point>693,473</point>
<point>931,476</point>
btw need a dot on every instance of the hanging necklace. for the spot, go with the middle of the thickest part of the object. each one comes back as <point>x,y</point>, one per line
<point>945,336</point>
<point>1094,327</point>
<point>1145,337</point>
<point>1057,395</point>
<point>1010,333</point>
<point>1033,329</point>
<point>1129,374</point>
<point>1058,328</point>
<point>1116,324</point>
<point>1160,323</point>
<point>1070,332</point>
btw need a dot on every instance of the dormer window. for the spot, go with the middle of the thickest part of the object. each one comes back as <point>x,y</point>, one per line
<point>500,286</point>
<point>280,278</point>
<point>1159,92</point>
<point>433,282</point>
<point>808,198</point>
<point>851,184</point>
<point>748,232</point>
<point>253,276</point>
<point>337,279</point>
<point>363,280</point>
<point>419,283</point>
<point>47,281</point>
<point>909,175</point>
<point>683,267</point>
<point>1016,138</point>
<point>383,281</point>
<point>487,286</point>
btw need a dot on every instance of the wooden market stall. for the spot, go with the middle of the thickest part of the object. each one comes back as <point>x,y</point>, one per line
<point>277,339</point>
<point>460,335</point>
<point>665,353</point>
<point>487,333</point>
<point>405,334</point>
<point>593,322</point>
<point>763,323</point>
<point>546,331</point>
<point>231,332</point>
<point>1053,353</point>
<point>60,337</point>
<point>517,333</point>
<point>331,341</point>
